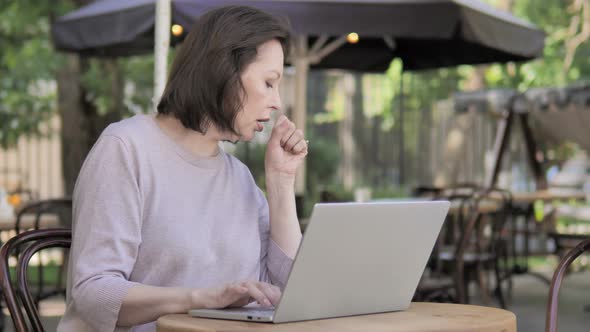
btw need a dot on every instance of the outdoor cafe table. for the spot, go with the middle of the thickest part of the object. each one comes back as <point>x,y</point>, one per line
<point>484,207</point>
<point>547,196</point>
<point>420,317</point>
<point>523,206</point>
<point>28,222</point>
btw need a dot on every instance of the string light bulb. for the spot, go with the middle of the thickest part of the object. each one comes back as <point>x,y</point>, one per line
<point>177,30</point>
<point>352,38</point>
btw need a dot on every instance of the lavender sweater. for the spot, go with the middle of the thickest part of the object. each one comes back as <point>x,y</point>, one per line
<point>148,211</point>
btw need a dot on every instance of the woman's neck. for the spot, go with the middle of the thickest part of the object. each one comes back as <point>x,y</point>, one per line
<point>203,145</point>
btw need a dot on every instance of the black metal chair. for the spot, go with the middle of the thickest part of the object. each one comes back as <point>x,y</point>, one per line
<point>501,241</point>
<point>471,243</point>
<point>443,278</point>
<point>36,213</point>
<point>61,208</point>
<point>18,294</point>
<point>566,261</point>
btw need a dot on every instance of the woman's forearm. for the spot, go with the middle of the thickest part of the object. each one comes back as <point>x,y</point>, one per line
<point>144,304</point>
<point>284,225</point>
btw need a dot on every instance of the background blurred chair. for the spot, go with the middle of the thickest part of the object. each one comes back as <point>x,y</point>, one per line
<point>493,238</point>
<point>552,302</point>
<point>18,295</point>
<point>472,246</point>
<point>44,213</point>
<point>464,189</point>
<point>440,282</point>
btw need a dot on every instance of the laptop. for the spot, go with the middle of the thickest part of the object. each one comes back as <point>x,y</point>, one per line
<point>354,259</point>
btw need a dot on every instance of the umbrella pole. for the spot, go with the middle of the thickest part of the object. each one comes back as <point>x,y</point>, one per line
<point>301,61</point>
<point>401,128</point>
<point>161,46</point>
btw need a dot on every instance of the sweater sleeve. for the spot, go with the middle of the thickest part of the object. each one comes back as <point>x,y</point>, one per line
<point>275,265</point>
<point>106,233</point>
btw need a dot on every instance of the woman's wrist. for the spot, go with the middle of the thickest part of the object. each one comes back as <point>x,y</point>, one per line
<point>279,182</point>
<point>198,298</point>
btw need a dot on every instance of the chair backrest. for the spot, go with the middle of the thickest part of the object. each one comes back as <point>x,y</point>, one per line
<point>503,201</point>
<point>60,207</point>
<point>450,240</point>
<point>566,261</point>
<point>27,244</point>
<point>473,230</point>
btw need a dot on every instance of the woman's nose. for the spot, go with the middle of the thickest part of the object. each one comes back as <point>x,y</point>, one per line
<point>276,101</point>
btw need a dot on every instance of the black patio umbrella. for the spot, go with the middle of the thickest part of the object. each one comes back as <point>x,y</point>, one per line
<point>422,33</point>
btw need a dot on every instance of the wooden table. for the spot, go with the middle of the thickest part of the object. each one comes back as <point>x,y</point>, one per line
<point>423,317</point>
<point>548,195</point>
<point>523,216</point>
<point>484,207</point>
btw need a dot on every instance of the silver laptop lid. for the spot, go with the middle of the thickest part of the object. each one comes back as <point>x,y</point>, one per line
<point>360,258</point>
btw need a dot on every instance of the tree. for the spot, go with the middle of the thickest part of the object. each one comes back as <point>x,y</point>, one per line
<point>37,82</point>
<point>567,26</point>
<point>27,65</point>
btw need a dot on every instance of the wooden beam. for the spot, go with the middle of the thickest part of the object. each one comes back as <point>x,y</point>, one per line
<point>531,148</point>
<point>502,139</point>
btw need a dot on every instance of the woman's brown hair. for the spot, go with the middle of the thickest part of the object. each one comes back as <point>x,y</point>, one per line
<point>204,87</point>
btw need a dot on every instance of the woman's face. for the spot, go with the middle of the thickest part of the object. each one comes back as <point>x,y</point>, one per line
<point>261,81</point>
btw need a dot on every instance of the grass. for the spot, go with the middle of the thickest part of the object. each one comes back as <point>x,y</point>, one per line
<point>50,274</point>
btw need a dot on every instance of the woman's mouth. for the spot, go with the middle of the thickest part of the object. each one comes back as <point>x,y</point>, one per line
<point>260,124</point>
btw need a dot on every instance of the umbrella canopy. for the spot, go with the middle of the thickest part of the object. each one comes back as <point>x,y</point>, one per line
<point>423,33</point>
<point>548,115</point>
<point>557,114</point>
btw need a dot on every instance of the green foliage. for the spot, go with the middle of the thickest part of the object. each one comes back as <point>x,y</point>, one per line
<point>322,161</point>
<point>322,168</point>
<point>139,72</point>
<point>252,155</point>
<point>98,85</point>
<point>335,103</point>
<point>388,192</point>
<point>51,273</point>
<point>554,18</point>
<point>27,66</point>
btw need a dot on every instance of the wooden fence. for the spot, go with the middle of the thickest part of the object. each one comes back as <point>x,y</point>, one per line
<point>35,163</point>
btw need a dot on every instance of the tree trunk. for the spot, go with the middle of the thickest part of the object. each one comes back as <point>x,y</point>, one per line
<point>81,123</point>
<point>98,122</point>
<point>74,143</point>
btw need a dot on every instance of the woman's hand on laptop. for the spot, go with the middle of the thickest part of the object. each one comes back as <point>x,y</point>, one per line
<point>237,294</point>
